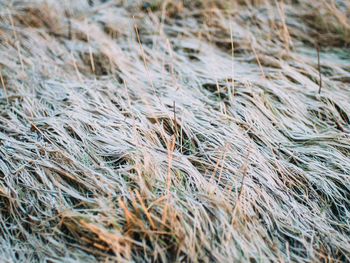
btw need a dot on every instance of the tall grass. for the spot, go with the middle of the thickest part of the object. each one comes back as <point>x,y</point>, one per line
<point>194,133</point>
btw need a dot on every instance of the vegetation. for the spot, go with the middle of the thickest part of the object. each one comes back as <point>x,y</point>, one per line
<point>174,131</point>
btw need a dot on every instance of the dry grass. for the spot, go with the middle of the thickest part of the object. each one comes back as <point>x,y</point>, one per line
<point>205,140</point>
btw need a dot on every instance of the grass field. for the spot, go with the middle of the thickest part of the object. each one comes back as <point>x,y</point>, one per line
<point>175,131</point>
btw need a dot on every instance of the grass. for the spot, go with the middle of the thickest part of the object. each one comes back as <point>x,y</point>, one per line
<point>174,131</point>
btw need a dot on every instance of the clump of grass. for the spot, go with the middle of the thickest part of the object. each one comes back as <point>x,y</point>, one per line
<point>202,138</point>
<point>328,22</point>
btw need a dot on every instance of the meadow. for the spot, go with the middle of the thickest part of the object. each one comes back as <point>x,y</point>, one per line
<point>175,131</point>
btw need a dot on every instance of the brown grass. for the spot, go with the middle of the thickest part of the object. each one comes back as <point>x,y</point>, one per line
<point>201,136</point>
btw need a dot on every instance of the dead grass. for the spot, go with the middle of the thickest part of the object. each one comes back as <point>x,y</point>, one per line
<point>203,139</point>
